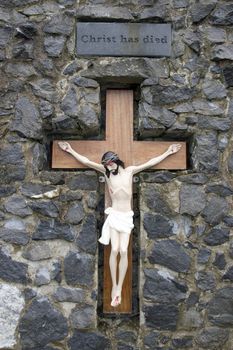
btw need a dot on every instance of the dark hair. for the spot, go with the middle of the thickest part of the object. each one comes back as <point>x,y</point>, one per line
<point>115,159</point>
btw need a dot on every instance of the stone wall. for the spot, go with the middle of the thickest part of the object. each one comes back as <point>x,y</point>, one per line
<point>50,220</point>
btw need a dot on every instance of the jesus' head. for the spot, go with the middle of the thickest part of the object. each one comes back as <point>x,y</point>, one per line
<point>111,162</point>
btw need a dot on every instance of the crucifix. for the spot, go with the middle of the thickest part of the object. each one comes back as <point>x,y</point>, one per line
<point>137,156</point>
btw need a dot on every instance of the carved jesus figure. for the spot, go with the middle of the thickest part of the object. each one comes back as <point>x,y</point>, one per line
<point>119,222</point>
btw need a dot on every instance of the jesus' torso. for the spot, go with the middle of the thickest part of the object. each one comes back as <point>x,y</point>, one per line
<point>120,189</point>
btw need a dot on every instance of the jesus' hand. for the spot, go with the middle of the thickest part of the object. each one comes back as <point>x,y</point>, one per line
<point>65,146</point>
<point>174,148</point>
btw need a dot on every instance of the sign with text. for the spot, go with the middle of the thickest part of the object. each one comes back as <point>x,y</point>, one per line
<point>123,39</point>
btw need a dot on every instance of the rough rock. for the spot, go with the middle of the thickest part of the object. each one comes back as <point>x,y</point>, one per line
<point>83,317</point>
<point>212,337</point>
<point>59,24</point>
<point>79,269</point>
<point>214,89</point>
<point>217,236</point>
<point>11,305</point>
<point>161,316</point>
<point>161,287</point>
<point>219,261</point>
<point>222,52</point>
<point>220,189</point>
<point>229,274</point>
<point>75,214</point>
<point>46,208</point>
<point>203,256</point>
<point>17,205</point>
<point>14,236</point>
<point>37,251</point>
<point>205,156</point>
<point>54,45</point>
<point>87,239</point>
<point>222,15</point>
<point>192,199</point>
<point>157,226</point>
<point>171,254</point>
<point>220,308</point>
<point>160,95</point>
<point>154,200</point>
<point>86,181</point>
<point>32,328</point>
<point>206,281</point>
<point>72,295</point>
<point>37,190</point>
<point>53,229</point>
<point>42,276</point>
<point>11,270</point>
<point>199,11</point>
<point>88,341</point>
<point>216,208</point>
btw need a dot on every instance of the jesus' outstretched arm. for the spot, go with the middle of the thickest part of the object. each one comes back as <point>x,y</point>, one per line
<point>171,150</point>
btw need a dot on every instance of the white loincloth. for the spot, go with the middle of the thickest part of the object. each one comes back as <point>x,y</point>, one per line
<point>119,221</point>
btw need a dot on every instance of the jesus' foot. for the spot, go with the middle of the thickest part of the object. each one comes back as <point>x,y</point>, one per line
<point>116,297</point>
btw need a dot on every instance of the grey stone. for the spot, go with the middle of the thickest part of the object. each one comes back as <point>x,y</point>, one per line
<point>222,52</point>
<point>14,236</point>
<point>192,300</point>
<point>79,269</point>
<point>127,336</point>
<point>33,333</point>
<point>192,199</point>
<point>216,208</point>
<point>88,119</point>
<point>42,276</point>
<point>44,88</point>
<point>84,82</point>
<point>53,229</point>
<point>11,173</point>
<point>84,181</point>
<point>198,178</point>
<point>59,24</point>
<point>231,250</point>
<point>219,261</point>
<point>171,254</point>
<point>87,239</point>
<point>217,236</point>
<point>185,342</point>
<point>220,189</point>
<point>230,162</point>
<point>207,108</point>
<point>158,12</point>
<point>75,214</point>
<point>158,176</point>
<point>205,281</point>
<point>222,15</point>
<point>11,270</point>
<point>229,274</point>
<point>29,294</point>
<point>228,75</point>
<point>203,256</point>
<point>88,341</point>
<point>152,117</point>
<point>215,35</point>
<point>160,95</point>
<point>205,155</point>
<point>39,154</point>
<point>72,68</point>
<point>46,109</point>
<point>214,89</point>
<point>11,154</point>
<point>17,205</point>
<point>46,208</point>
<point>56,271</point>
<point>157,226</point>
<point>71,196</point>
<point>191,319</point>
<point>154,200</point>
<point>37,190</point>
<point>26,30</point>
<point>193,39</point>
<point>71,295</point>
<point>200,11</point>
<point>92,200</point>
<point>22,70</point>
<point>162,288</point>
<point>65,124</point>
<point>151,340</point>
<point>212,338</point>
<point>103,12</point>
<point>6,191</point>
<point>130,69</point>
<point>54,45</point>
<point>24,50</point>
<point>11,305</point>
<point>70,103</point>
<point>37,251</point>
<point>220,308</point>
<point>5,35</point>
<point>220,124</point>
<point>222,142</point>
<point>83,316</point>
<point>161,316</point>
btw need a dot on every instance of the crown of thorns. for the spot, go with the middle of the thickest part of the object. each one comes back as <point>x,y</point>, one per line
<point>111,157</point>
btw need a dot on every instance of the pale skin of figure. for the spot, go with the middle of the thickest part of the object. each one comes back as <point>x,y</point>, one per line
<point>120,189</point>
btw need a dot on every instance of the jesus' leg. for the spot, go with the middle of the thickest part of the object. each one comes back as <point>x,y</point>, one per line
<point>123,264</point>
<point>115,244</point>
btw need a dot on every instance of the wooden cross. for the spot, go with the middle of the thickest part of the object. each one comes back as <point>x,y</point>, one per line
<point>119,138</point>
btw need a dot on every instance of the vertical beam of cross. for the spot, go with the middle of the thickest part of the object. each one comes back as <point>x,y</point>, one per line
<point>119,138</point>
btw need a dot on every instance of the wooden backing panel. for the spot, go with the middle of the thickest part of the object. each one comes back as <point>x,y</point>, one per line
<point>119,122</point>
<point>143,151</point>
<point>90,149</point>
<point>126,297</point>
